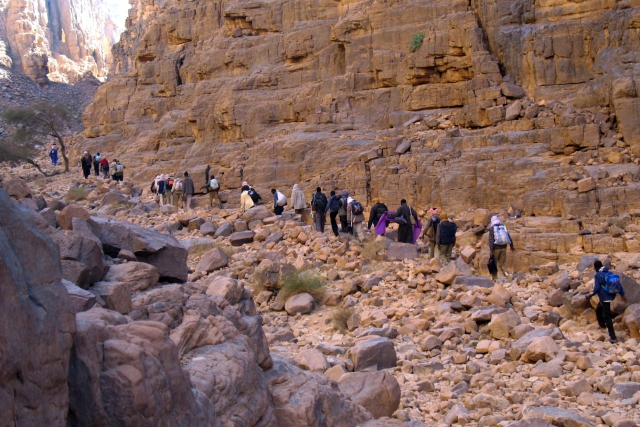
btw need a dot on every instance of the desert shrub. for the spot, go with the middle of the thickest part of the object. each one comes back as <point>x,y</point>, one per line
<point>416,41</point>
<point>340,316</point>
<point>77,193</point>
<point>308,282</point>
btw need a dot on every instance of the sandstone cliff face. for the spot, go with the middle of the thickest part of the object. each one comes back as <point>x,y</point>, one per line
<point>329,93</point>
<point>60,40</point>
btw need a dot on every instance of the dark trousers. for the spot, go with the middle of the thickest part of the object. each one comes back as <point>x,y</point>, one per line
<point>278,210</point>
<point>96,168</point>
<point>321,220</point>
<point>334,223</point>
<point>603,314</point>
<point>86,171</point>
<point>344,224</point>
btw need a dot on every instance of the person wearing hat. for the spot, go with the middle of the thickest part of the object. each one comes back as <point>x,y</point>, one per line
<point>377,210</point>
<point>499,238</point>
<point>342,212</point>
<point>86,164</point>
<point>446,237</point>
<point>431,228</point>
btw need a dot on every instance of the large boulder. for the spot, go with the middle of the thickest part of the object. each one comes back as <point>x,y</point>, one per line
<point>16,188</point>
<point>631,319</point>
<point>138,276</point>
<point>373,352</point>
<point>212,260</point>
<point>241,237</point>
<point>75,246</point>
<point>116,295</point>
<point>38,323</point>
<point>541,348</point>
<point>556,416</point>
<point>67,214</point>
<point>378,392</point>
<point>81,300</point>
<point>452,270</point>
<point>300,304</point>
<point>227,288</point>
<point>312,360</point>
<point>256,213</point>
<point>111,383</point>
<point>224,230</point>
<point>149,246</point>
<point>402,251</point>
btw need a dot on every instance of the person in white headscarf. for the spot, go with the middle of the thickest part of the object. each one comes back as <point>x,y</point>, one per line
<point>160,185</point>
<point>297,199</point>
<point>499,239</point>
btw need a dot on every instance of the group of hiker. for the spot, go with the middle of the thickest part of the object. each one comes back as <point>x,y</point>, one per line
<point>96,163</point>
<point>177,191</point>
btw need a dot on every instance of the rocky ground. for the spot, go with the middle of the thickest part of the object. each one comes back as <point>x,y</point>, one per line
<point>401,335</point>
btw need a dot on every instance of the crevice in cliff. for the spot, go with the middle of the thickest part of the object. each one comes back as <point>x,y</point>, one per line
<point>179,63</point>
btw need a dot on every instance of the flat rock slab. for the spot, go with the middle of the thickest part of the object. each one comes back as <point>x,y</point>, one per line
<point>300,304</point>
<point>378,392</point>
<point>81,300</point>
<point>473,281</point>
<point>225,230</point>
<point>116,295</point>
<point>212,260</point>
<point>402,251</point>
<point>226,287</point>
<point>137,275</point>
<point>557,416</point>
<point>375,353</point>
<point>242,237</point>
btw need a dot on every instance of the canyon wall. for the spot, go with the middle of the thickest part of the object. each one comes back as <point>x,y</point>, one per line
<point>501,104</point>
<point>58,40</point>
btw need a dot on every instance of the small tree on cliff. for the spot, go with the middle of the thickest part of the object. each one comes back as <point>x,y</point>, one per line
<point>33,125</point>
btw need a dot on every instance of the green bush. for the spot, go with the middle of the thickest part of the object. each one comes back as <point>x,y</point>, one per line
<point>416,41</point>
<point>308,282</point>
<point>77,193</point>
<point>340,316</point>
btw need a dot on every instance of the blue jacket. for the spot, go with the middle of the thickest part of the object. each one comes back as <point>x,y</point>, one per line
<point>598,287</point>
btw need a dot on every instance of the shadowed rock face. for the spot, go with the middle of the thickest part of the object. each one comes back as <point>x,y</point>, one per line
<point>37,327</point>
<point>58,40</point>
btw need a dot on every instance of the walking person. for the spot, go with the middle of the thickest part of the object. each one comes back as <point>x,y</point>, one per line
<point>160,188</point>
<point>409,218</point>
<point>431,229</point>
<point>188,190</point>
<point>53,154</point>
<point>342,212</point>
<point>96,164</point>
<point>446,237</point>
<point>246,201</point>
<point>214,188</point>
<point>85,162</point>
<point>333,207</point>
<point>499,238</point>
<point>377,210</point>
<point>606,285</point>
<point>279,202</point>
<point>104,166</point>
<point>355,217</point>
<point>319,206</point>
<point>297,199</point>
<point>176,192</point>
<point>119,171</point>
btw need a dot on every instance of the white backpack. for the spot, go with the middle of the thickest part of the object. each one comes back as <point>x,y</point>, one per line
<point>177,185</point>
<point>500,235</point>
<point>214,184</point>
<point>282,199</point>
<point>119,167</point>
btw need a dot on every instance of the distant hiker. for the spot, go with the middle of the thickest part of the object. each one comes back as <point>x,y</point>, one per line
<point>96,163</point>
<point>255,197</point>
<point>176,192</point>
<point>168,188</point>
<point>319,206</point>
<point>377,210</point>
<point>298,201</point>
<point>214,188</point>
<point>431,229</point>
<point>606,285</point>
<point>159,184</point>
<point>187,190</point>
<point>499,238</point>
<point>104,166</point>
<point>246,202</point>
<point>355,217</point>
<point>119,175</point>
<point>446,237</point>
<point>53,154</point>
<point>333,207</point>
<point>112,167</point>
<point>85,162</point>
<point>342,212</point>
<point>406,217</point>
<point>279,201</point>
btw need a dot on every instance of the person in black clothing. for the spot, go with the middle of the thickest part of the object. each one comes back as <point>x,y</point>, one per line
<point>96,164</point>
<point>86,164</point>
<point>333,207</point>
<point>377,210</point>
<point>446,237</point>
<point>319,206</point>
<point>603,310</point>
<point>277,209</point>
<point>405,231</point>
<point>342,213</point>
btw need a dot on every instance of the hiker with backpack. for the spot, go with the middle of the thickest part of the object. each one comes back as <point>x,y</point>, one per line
<point>119,171</point>
<point>355,217</point>
<point>606,285</point>
<point>446,237</point>
<point>159,188</point>
<point>342,212</point>
<point>333,207</point>
<point>246,202</point>
<point>499,239</point>
<point>431,229</point>
<point>255,197</point>
<point>86,164</point>
<point>377,210</point>
<point>319,206</point>
<point>188,190</point>
<point>104,166</point>
<point>176,192</point>
<point>214,188</point>
<point>406,217</point>
<point>96,163</point>
<point>279,202</point>
<point>298,200</point>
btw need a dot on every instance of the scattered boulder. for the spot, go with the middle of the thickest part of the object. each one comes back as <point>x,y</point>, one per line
<point>402,251</point>
<point>137,276</point>
<point>312,360</point>
<point>452,270</point>
<point>241,237</point>
<point>376,353</point>
<point>224,230</point>
<point>378,392</point>
<point>227,288</point>
<point>81,300</point>
<point>212,260</point>
<point>208,229</point>
<point>68,213</point>
<point>541,348</point>
<point>300,304</point>
<point>16,188</point>
<point>556,416</point>
<point>116,295</point>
